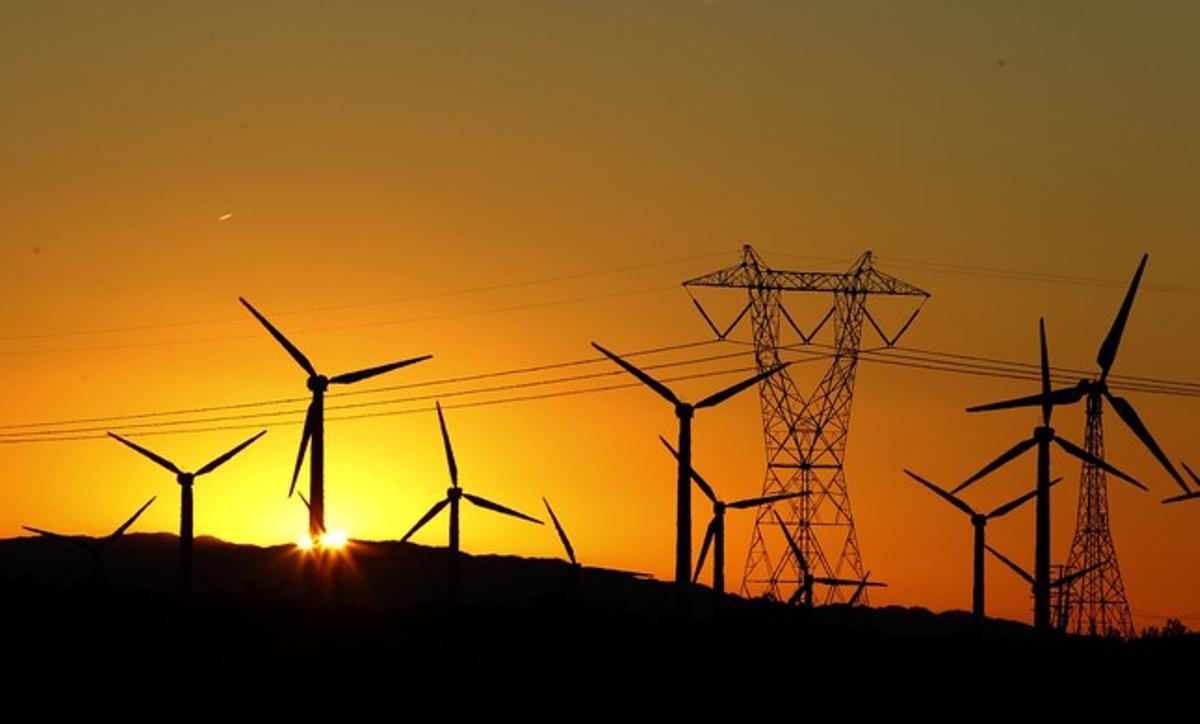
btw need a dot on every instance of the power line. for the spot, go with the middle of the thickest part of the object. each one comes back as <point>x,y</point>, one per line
<point>380,403</point>
<point>1004,369</point>
<point>410,411</point>
<point>348,393</point>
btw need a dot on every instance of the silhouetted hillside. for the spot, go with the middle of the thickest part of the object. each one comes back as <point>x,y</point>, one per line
<point>263,617</point>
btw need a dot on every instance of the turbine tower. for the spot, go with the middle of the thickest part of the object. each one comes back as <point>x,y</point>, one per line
<point>805,436</point>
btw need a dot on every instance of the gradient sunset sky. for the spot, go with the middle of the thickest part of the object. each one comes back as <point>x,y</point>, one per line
<point>498,184</point>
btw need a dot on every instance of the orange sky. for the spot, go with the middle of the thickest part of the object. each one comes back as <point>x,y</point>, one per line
<point>375,158</point>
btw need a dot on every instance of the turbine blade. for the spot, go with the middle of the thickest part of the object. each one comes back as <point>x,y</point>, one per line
<point>437,508</point>
<point>699,481</point>
<point>291,348</point>
<point>1094,461</point>
<point>1008,456</point>
<point>485,503</point>
<point>792,544</point>
<point>1019,570</point>
<point>453,466</point>
<point>562,534</point>
<point>309,423</point>
<point>1130,417</point>
<point>859,591</point>
<point>1108,350</point>
<point>125,526</point>
<point>1072,577</point>
<point>948,497</point>
<point>1047,408</point>
<point>708,539</point>
<point>218,462</point>
<point>1061,396</point>
<point>308,506</point>
<point>1195,478</point>
<point>725,394</point>
<point>848,582</point>
<point>1018,502</point>
<point>765,500</point>
<point>153,456</point>
<point>646,379</point>
<point>351,377</point>
<point>1186,496</point>
<point>54,536</point>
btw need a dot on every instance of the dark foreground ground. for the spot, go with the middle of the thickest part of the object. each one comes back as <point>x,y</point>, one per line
<point>270,625</point>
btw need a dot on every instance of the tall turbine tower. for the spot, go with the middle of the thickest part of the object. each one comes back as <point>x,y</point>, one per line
<point>806,436</point>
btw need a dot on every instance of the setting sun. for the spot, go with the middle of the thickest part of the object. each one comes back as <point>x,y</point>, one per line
<point>334,539</point>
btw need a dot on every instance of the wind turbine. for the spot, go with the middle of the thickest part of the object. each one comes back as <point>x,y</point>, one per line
<point>715,535</point>
<point>453,495</point>
<point>185,481</point>
<point>94,546</point>
<point>1191,494</point>
<point>1060,582</point>
<point>1042,436</point>
<point>979,522</point>
<point>684,411</point>
<point>314,421</point>
<point>804,592</point>
<point>1096,390</point>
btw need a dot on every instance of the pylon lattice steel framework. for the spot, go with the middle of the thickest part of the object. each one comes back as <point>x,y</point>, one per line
<point>806,437</point>
<point>1097,601</point>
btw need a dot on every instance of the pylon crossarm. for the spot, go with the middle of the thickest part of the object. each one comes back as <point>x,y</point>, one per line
<point>890,342</point>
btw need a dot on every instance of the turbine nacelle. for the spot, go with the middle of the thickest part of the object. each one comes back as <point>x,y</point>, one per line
<point>454,493</point>
<point>317,383</point>
<point>185,479</point>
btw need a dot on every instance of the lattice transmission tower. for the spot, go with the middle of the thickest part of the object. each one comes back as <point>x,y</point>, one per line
<point>1097,601</point>
<point>806,436</point>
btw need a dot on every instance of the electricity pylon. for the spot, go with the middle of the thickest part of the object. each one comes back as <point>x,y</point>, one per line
<point>806,436</point>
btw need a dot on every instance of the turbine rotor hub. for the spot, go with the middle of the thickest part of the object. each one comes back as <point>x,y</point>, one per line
<point>185,478</point>
<point>318,383</point>
<point>684,411</point>
<point>1044,433</point>
<point>454,493</point>
<point>719,507</point>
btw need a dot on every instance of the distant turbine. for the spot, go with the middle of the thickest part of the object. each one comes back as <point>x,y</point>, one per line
<point>684,412</point>
<point>94,546</point>
<point>1061,582</point>
<point>452,497</point>
<point>185,481</point>
<point>314,422</point>
<point>979,523</point>
<point>804,592</point>
<point>715,535</point>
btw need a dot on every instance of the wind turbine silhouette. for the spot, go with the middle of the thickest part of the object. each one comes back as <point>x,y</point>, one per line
<point>1056,583</point>
<point>1042,436</point>
<point>314,421</point>
<point>715,535</point>
<point>453,494</point>
<point>979,522</point>
<point>804,592</point>
<point>684,411</point>
<point>1191,494</point>
<point>185,481</point>
<point>1096,390</point>
<point>94,546</point>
